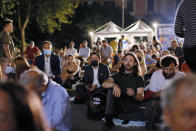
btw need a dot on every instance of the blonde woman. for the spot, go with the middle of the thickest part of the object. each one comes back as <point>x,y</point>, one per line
<point>141,58</point>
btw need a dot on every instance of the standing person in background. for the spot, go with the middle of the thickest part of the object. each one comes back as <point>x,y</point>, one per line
<point>6,42</point>
<point>185,27</point>
<point>31,52</point>
<point>120,42</point>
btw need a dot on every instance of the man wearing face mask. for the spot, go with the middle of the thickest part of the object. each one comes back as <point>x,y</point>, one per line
<point>49,63</point>
<point>161,78</point>
<point>95,74</point>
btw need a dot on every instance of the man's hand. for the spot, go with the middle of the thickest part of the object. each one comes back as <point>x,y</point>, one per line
<point>116,91</point>
<point>130,92</point>
<point>93,87</point>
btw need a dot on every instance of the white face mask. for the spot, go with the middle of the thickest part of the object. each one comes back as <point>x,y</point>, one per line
<point>9,69</point>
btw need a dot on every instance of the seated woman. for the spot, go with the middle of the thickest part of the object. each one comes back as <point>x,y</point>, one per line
<point>70,72</point>
<point>20,109</point>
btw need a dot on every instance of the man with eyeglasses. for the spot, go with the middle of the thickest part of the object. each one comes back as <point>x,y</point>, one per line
<point>161,78</point>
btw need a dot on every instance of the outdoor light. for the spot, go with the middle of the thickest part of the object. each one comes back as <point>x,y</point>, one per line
<point>90,33</point>
<point>155,25</point>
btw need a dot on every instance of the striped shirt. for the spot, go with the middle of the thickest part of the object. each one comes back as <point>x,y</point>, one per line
<point>185,24</point>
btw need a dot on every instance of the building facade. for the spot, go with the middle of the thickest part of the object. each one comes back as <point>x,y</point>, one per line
<point>139,8</point>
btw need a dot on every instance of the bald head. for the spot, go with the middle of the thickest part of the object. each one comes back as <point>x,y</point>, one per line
<point>33,79</point>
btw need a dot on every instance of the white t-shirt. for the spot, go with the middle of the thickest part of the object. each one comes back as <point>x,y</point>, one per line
<point>158,81</point>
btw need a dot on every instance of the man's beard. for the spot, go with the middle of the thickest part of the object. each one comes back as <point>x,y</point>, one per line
<point>168,76</point>
<point>128,67</point>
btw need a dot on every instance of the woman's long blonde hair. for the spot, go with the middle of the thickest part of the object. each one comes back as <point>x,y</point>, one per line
<point>141,53</point>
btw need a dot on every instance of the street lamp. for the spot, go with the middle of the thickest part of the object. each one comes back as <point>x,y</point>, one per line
<point>90,33</point>
<point>123,14</point>
<point>91,38</point>
<point>155,27</point>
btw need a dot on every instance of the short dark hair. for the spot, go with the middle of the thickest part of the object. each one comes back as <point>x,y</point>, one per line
<point>154,56</point>
<point>104,41</point>
<point>119,51</point>
<point>134,46</point>
<point>167,60</point>
<point>95,53</point>
<point>46,41</point>
<point>6,22</point>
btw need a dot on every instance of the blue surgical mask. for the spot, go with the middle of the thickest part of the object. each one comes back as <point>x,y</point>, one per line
<point>47,52</point>
<point>9,69</point>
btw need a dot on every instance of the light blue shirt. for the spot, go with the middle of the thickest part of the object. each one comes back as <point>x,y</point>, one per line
<point>84,52</point>
<point>56,105</point>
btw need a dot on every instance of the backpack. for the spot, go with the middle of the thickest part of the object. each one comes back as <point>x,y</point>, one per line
<point>96,106</point>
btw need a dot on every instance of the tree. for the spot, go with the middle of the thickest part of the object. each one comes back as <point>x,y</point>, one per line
<point>49,14</point>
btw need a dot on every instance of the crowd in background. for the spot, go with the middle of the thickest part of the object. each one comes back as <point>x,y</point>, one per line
<point>89,72</point>
<point>140,83</point>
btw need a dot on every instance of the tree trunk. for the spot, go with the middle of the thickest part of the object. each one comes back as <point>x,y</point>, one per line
<point>22,24</point>
<point>22,36</point>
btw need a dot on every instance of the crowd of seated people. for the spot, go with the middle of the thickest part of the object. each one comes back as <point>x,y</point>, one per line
<point>131,82</point>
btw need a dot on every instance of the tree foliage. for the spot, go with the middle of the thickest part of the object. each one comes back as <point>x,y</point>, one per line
<point>49,14</point>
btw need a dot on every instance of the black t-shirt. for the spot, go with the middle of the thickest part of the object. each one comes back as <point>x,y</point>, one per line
<point>125,81</point>
<point>178,51</point>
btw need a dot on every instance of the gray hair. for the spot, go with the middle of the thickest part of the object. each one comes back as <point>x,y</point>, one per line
<point>38,80</point>
<point>168,95</point>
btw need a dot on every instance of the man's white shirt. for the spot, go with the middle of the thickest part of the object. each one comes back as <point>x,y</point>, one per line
<point>47,68</point>
<point>158,82</point>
